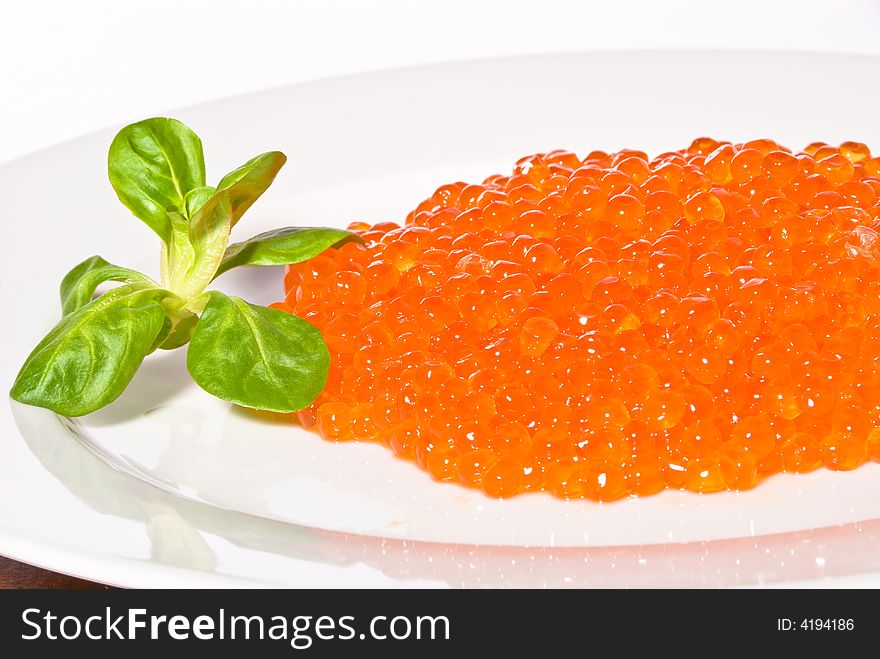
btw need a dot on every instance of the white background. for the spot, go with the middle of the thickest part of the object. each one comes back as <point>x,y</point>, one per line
<point>68,67</point>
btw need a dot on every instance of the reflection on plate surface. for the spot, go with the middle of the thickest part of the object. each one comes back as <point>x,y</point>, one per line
<point>182,533</point>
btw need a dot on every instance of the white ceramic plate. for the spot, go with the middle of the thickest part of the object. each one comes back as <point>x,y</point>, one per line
<point>169,485</point>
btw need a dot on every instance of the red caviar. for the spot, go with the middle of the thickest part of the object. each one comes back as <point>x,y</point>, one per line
<point>613,325</point>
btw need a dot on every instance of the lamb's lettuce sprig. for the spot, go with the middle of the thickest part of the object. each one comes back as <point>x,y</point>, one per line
<point>247,354</point>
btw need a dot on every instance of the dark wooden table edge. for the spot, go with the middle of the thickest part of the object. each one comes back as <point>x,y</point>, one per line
<point>16,575</point>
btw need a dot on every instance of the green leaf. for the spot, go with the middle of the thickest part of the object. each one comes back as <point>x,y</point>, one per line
<point>180,331</point>
<point>205,240</point>
<point>79,285</point>
<point>251,180</point>
<point>283,246</point>
<point>178,256</point>
<point>257,357</point>
<point>208,230</point>
<point>153,164</point>
<point>179,323</point>
<point>87,359</point>
<point>196,198</point>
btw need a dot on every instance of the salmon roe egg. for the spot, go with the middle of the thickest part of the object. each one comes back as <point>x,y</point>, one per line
<point>613,326</point>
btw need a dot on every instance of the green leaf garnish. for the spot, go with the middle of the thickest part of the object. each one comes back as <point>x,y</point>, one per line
<point>207,235</point>
<point>79,285</point>
<point>179,331</point>
<point>279,361</point>
<point>197,198</point>
<point>153,164</point>
<point>248,182</point>
<point>87,359</point>
<point>249,355</point>
<point>283,246</point>
<point>209,226</point>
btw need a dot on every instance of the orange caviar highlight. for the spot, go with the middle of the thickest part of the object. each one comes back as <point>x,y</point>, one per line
<point>612,326</point>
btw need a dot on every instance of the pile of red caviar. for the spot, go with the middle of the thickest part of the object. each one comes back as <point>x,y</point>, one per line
<point>614,325</point>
